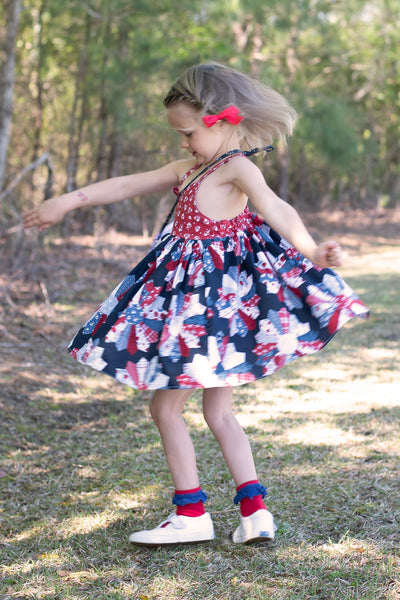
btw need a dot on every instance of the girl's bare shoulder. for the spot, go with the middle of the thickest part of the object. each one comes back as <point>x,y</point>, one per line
<point>238,168</point>
<point>181,167</point>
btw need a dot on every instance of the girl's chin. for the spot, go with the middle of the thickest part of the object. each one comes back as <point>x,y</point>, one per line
<point>199,159</point>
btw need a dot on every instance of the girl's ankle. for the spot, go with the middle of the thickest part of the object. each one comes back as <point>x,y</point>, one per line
<point>250,497</point>
<point>190,503</point>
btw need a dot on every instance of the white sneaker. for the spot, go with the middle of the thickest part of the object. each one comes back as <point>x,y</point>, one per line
<point>176,530</point>
<point>258,527</point>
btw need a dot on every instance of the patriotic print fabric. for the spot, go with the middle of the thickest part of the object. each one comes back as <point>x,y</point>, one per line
<point>213,304</point>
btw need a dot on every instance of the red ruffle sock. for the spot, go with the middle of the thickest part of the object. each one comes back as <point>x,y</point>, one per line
<point>190,503</point>
<point>250,496</point>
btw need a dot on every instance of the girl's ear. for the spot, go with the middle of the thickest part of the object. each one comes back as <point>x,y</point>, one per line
<point>222,125</point>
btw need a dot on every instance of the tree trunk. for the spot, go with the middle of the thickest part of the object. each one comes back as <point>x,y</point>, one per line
<point>284,155</point>
<point>38,82</point>
<point>7,82</point>
<point>102,148</point>
<point>115,159</point>
<point>302,178</point>
<point>103,117</point>
<point>76,123</point>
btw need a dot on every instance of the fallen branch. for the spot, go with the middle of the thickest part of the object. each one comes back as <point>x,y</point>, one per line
<point>44,159</point>
<point>45,293</point>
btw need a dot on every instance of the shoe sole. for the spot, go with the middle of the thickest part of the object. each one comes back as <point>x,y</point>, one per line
<point>258,540</point>
<point>158,544</point>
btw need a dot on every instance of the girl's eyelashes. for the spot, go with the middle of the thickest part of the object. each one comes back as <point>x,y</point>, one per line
<point>185,133</point>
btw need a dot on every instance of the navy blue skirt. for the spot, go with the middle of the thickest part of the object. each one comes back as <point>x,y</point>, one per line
<point>215,312</point>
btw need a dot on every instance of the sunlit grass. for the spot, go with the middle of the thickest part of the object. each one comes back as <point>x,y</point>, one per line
<point>82,467</point>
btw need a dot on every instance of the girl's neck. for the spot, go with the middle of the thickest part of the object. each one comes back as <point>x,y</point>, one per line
<point>229,146</point>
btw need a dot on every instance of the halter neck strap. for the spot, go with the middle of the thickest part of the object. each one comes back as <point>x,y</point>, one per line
<point>236,151</point>
<point>214,162</point>
<point>256,150</point>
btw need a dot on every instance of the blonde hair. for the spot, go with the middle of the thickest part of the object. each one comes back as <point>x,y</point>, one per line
<point>213,87</point>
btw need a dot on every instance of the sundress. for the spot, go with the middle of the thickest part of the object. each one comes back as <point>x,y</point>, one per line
<point>214,304</point>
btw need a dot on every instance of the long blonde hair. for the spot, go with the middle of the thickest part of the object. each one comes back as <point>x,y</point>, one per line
<point>213,87</point>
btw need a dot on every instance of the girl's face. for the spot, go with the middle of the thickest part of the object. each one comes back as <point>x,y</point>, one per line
<point>204,143</point>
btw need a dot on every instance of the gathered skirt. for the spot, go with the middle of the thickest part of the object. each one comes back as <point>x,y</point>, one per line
<point>215,312</point>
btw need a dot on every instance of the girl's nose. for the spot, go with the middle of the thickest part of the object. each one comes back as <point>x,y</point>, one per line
<point>184,142</point>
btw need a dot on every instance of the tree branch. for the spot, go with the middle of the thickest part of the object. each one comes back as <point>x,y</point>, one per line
<point>45,158</point>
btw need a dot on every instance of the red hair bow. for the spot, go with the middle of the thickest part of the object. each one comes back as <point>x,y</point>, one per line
<point>230,114</point>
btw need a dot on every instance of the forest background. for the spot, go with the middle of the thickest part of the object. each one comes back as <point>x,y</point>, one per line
<point>81,88</point>
<point>82,84</point>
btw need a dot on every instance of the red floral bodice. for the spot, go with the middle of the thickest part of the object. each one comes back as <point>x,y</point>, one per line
<point>190,223</point>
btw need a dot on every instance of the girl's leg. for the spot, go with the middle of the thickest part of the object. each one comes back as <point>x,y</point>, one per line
<point>257,523</point>
<point>191,523</point>
<point>217,408</point>
<point>166,409</point>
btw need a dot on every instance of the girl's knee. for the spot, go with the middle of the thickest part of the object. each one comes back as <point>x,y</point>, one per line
<point>159,410</point>
<point>154,410</point>
<point>217,417</point>
<point>167,404</point>
<point>217,408</point>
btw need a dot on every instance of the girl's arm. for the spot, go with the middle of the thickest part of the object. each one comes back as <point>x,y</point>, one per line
<point>104,192</point>
<point>282,217</point>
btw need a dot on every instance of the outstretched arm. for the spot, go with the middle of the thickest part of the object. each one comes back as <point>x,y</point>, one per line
<point>282,217</point>
<point>104,192</point>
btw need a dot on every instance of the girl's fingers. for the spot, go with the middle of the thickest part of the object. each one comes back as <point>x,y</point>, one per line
<point>33,218</point>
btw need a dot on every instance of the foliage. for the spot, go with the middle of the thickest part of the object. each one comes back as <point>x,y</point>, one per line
<point>91,75</point>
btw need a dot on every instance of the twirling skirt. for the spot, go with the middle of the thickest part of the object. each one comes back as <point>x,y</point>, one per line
<point>215,312</point>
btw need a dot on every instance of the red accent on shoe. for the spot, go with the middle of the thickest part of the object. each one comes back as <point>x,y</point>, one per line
<point>196,509</point>
<point>249,506</point>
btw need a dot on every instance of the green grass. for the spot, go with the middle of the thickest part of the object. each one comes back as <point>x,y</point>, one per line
<point>82,467</point>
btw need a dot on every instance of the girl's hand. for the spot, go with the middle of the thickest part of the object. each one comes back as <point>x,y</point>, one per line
<point>327,255</point>
<point>45,215</point>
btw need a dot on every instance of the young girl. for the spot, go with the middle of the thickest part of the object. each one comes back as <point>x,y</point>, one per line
<point>224,299</point>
